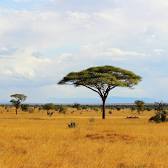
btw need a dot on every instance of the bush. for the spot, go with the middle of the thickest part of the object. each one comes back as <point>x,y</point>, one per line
<point>139,105</point>
<point>77,106</point>
<point>61,109</point>
<point>84,107</point>
<point>133,108</point>
<point>72,125</point>
<point>118,108</point>
<point>49,106</point>
<point>159,117</point>
<point>148,108</point>
<point>25,107</point>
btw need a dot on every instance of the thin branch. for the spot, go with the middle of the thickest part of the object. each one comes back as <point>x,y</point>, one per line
<point>91,89</point>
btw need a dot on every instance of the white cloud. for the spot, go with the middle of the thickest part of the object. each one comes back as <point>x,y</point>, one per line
<point>22,64</point>
<point>44,44</point>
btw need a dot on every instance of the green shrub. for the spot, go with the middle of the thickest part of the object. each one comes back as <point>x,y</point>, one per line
<point>72,125</point>
<point>25,107</point>
<point>159,117</point>
<point>61,109</point>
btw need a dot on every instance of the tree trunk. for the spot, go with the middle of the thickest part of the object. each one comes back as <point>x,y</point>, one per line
<point>103,109</point>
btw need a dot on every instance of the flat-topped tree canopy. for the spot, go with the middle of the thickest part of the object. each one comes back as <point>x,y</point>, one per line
<point>102,75</point>
<point>102,79</point>
<point>17,99</point>
<point>20,97</point>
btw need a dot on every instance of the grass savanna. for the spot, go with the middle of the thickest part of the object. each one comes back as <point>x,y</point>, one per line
<point>57,136</point>
<point>36,140</point>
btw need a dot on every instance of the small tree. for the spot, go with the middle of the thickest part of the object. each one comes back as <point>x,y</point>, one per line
<point>77,106</point>
<point>102,80</point>
<point>140,105</point>
<point>49,106</point>
<point>17,99</point>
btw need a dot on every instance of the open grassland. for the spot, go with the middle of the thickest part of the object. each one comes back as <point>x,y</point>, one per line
<point>34,140</point>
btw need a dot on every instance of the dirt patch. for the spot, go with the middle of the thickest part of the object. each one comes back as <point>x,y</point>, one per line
<point>132,117</point>
<point>111,137</point>
<point>95,136</point>
<point>18,150</point>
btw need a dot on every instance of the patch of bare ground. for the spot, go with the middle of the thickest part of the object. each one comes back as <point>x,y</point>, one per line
<point>18,150</point>
<point>110,137</point>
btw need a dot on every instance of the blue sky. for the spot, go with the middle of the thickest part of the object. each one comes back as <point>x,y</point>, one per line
<point>43,40</point>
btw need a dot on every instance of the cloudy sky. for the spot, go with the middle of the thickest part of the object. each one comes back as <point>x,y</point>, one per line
<point>43,40</point>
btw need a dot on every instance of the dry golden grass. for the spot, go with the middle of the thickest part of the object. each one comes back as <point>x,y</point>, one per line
<point>38,141</point>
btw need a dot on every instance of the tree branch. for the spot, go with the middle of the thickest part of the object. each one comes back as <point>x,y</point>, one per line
<point>91,89</point>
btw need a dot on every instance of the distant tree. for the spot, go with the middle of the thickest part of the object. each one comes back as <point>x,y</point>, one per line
<point>61,109</point>
<point>77,106</point>
<point>48,107</point>
<point>17,99</point>
<point>140,105</point>
<point>102,80</point>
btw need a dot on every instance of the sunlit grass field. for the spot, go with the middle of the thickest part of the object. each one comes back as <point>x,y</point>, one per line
<point>34,140</point>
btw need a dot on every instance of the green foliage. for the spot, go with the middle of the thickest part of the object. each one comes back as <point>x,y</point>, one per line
<point>77,106</point>
<point>159,117</point>
<point>17,99</point>
<point>140,105</point>
<point>84,107</point>
<point>159,106</point>
<point>49,106</point>
<point>161,113</point>
<point>102,80</point>
<point>133,108</point>
<point>25,107</point>
<point>103,75</point>
<point>61,109</point>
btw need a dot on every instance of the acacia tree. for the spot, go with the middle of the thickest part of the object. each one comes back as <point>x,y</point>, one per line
<point>17,99</point>
<point>102,80</point>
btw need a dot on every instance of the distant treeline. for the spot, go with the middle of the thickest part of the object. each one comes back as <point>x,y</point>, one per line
<point>147,106</point>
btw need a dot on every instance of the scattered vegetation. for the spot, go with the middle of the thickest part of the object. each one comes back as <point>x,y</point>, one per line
<point>17,99</point>
<point>140,106</point>
<point>25,107</point>
<point>60,143</point>
<point>61,109</point>
<point>161,113</point>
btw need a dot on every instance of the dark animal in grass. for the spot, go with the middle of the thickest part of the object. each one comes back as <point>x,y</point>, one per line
<point>72,125</point>
<point>50,113</point>
<point>132,117</point>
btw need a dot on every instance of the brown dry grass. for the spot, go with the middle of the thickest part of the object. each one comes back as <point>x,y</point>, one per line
<point>37,141</point>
